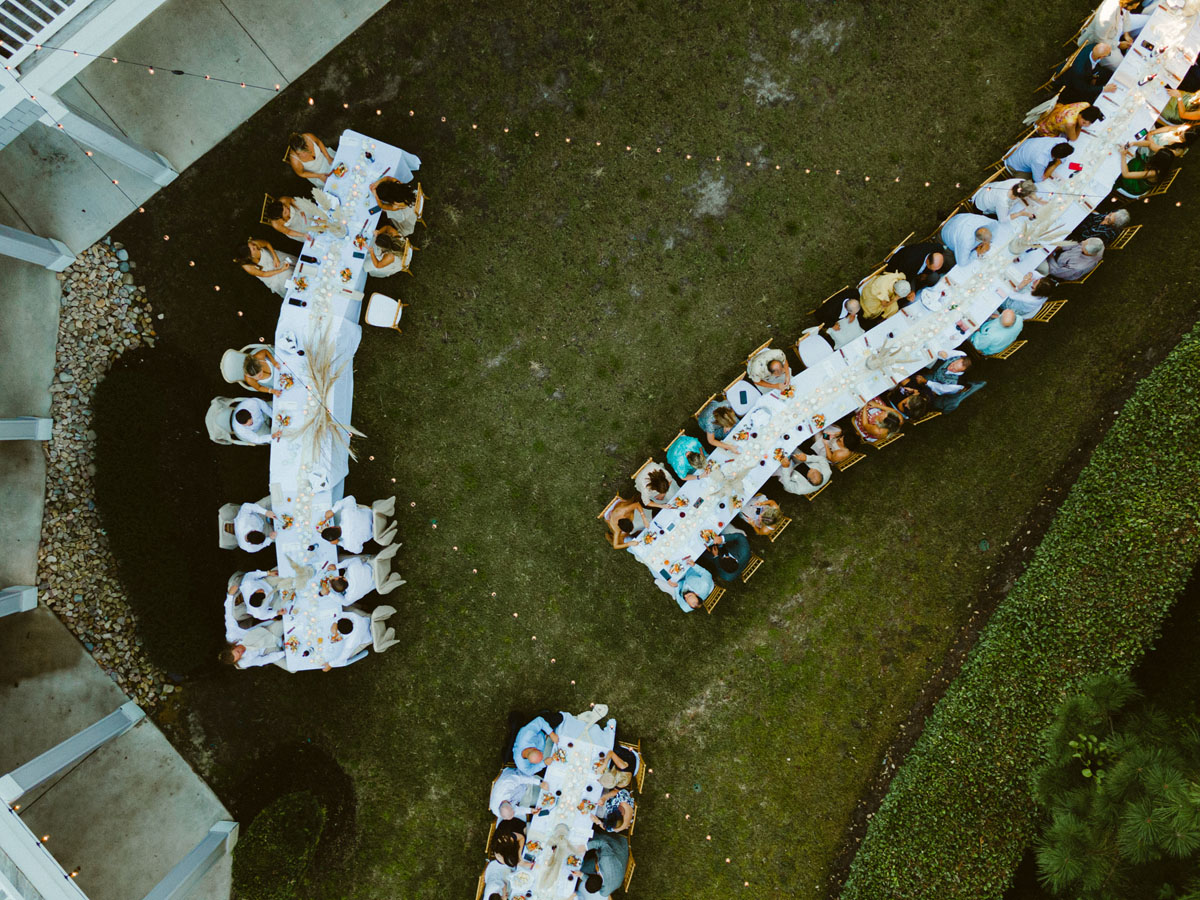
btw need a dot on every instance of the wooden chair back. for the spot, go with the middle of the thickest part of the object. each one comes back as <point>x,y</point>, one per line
<point>757,350</point>
<point>419,204</point>
<point>852,460</point>
<point>813,495</point>
<point>751,567</point>
<point>1009,350</point>
<point>1048,311</point>
<point>933,414</point>
<point>642,468</point>
<point>667,449</point>
<point>628,872</point>
<point>780,525</point>
<point>890,439</point>
<point>604,514</point>
<point>1165,185</point>
<point>711,601</point>
<point>704,405</point>
<point>896,249</point>
<point>842,289</point>
<point>1124,237</point>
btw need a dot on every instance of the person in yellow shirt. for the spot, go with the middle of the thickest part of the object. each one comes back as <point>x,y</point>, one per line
<point>881,295</point>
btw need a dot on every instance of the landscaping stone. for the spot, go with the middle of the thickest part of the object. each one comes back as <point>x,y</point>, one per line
<point>76,571</point>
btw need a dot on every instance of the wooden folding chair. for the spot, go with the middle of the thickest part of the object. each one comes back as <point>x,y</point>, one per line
<point>1058,70</point>
<point>642,468</point>
<point>667,449</point>
<point>813,495</point>
<point>1048,311</point>
<point>1163,186</point>
<point>1075,37</point>
<point>628,872</point>
<point>896,249</point>
<point>637,748</point>
<point>958,207</point>
<point>1009,350</point>
<point>890,439</point>
<point>1088,275</point>
<point>1124,237</point>
<point>878,271</point>
<point>852,460</point>
<point>711,601</point>
<point>751,568</point>
<point>487,848</point>
<point>766,345</point>
<point>262,213</point>
<point>633,819</point>
<point>782,523</point>
<point>406,256</point>
<point>419,204</point>
<point>842,289</point>
<point>925,418</point>
<point>704,406</point>
<point>479,887</point>
<point>609,507</point>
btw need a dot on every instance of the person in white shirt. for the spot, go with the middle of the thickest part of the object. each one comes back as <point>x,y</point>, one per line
<point>357,579</point>
<point>1006,199</point>
<point>259,598</point>
<point>508,792</point>
<point>259,645</point>
<point>350,525</point>
<point>252,528</point>
<point>1022,300</point>
<point>804,473</point>
<point>251,421</point>
<point>968,236</point>
<point>1039,157</point>
<point>349,634</point>
<point>495,881</point>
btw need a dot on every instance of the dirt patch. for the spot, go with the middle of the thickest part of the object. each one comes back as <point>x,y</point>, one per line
<point>763,87</point>
<point>1011,563</point>
<point>712,195</point>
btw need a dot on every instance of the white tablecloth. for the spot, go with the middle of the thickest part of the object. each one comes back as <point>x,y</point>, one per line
<point>321,306</point>
<point>572,778</point>
<point>907,342</point>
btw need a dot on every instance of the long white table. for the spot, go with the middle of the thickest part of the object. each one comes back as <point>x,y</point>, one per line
<point>319,315</point>
<point>909,341</point>
<point>572,795</point>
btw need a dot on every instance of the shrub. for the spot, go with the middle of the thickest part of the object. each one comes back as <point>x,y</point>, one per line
<point>959,812</point>
<point>271,858</point>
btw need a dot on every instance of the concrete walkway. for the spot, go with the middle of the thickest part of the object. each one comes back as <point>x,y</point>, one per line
<point>53,189</point>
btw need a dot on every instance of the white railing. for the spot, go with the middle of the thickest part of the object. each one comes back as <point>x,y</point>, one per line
<point>24,24</point>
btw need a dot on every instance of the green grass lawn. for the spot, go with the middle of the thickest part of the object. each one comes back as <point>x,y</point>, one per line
<point>571,306</point>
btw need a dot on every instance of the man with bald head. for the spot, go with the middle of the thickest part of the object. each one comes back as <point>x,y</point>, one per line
<point>535,741</point>
<point>1087,76</point>
<point>923,264</point>
<point>969,236</point>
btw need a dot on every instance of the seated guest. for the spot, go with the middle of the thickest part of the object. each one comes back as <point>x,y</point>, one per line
<point>508,841</point>
<point>833,309</point>
<point>1163,139</point>
<point>716,420</point>
<point>877,420</point>
<point>1183,107</point>
<point>909,397</point>
<point>1006,200</point>
<point>259,598</point>
<point>1022,300</point>
<point>1106,226</point>
<point>615,810</point>
<point>507,793</point>
<point>625,519</point>
<point>1038,157</point>
<point>693,588</point>
<point>273,269</point>
<point>1141,173</point>
<point>830,443</point>
<point>260,645</point>
<point>848,327</point>
<point>390,259</point>
<point>761,514</point>
<point>726,556</point>
<point>606,859</point>
<point>356,577</point>
<point>769,369</point>
<point>252,527</point>
<point>1074,262</point>
<point>309,158</point>
<point>969,236</point>
<point>260,372</point>
<point>535,741</point>
<point>1087,77</point>
<point>657,486</point>
<point>251,421</point>
<point>944,379</point>
<point>686,456</point>
<point>496,881</point>
<point>882,294</point>
<point>997,333</point>
<point>295,217</point>
<point>395,199</point>
<point>350,634</point>
<point>1067,120</point>
<point>350,525</point>
<point>923,265</point>
<point>804,473</point>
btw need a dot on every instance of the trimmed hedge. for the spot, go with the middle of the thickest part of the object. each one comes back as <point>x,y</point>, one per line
<point>272,857</point>
<point>959,813</point>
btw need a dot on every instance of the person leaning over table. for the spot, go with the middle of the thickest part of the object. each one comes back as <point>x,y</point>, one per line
<point>309,158</point>
<point>535,741</point>
<point>615,810</point>
<point>1074,261</point>
<point>350,525</point>
<point>496,881</point>
<point>1022,300</point>
<point>883,295</point>
<point>1068,120</point>
<point>355,580</point>
<point>620,759</point>
<point>1038,157</point>
<point>944,379</point>
<point>251,528</point>
<point>727,556</point>
<point>657,486</point>
<point>391,259</point>
<point>923,265</point>
<point>604,864</point>
<point>259,371</point>
<point>1106,226</point>
<point>969,236</point>
<point>997,333</point>
<point>251,421</point>
<point>508,791</point>
<point>693,588</point>
<point>804,473</point>
<point>768,369</point>
<point>1164,138</point>
<point>295,217</point>
<point>277,270</point>
<point>259,598</point>
<point>396,199</point>
<point>716,420</point>
<point>1006,200</point>
<point>349,634</point>
<point>508,842</point>
<point>831,444</point>
<point>626,520</point>
<point>1140,173</point>
<point>761,514</point>
<point>686,456</point>
<point>876,420</point>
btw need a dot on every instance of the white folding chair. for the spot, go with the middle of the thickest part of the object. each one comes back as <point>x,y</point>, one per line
<point>384,312</point>
<point>218,421</point>
<point>812,347</point>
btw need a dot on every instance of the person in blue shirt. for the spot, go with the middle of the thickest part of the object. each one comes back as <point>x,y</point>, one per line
<point>692,589</point>
<point>997,333</point>
<point>686,456</point>
<point>604,865</point>
<point>534,743</point>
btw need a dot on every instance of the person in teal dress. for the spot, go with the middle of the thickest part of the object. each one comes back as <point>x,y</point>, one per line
<point>997,333</point>
<point>686,455</point>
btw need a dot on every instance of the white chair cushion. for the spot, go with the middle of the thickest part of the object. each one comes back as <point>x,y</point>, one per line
<point>382,311</point>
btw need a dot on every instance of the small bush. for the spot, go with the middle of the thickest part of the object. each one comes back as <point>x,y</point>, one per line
<point>271,858</point>
<point>959,812</point>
